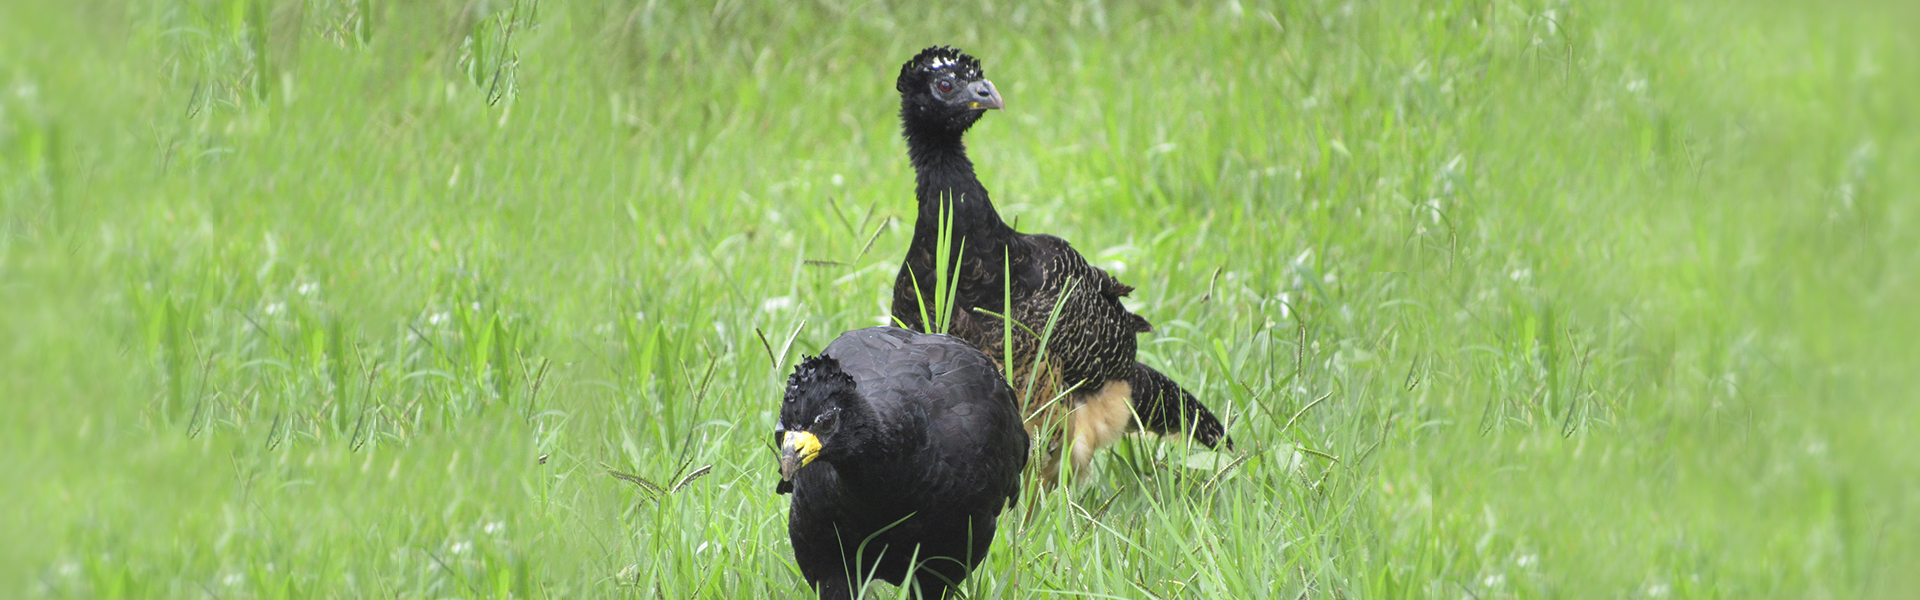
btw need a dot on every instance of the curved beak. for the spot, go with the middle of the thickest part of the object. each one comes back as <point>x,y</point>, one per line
<point>982,96</point>
<point>797,449</point>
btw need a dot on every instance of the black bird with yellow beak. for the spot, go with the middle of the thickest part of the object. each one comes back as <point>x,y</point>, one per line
<point>900,450</point>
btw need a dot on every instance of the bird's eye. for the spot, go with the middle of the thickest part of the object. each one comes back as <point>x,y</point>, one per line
<point>946,86</point>
<point>823,419</point>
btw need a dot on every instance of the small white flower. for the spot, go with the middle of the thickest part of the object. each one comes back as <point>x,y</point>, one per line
<point>1527,560</point>
<point>233,579</point>
<point>276,308</point>
<point>1657,590</point>
<point>461,547</point>
<point>308,289</point>
<point>1521,275</point>
<point>777,304</point>
<point>1494,580</point>
<point>436,318</point>
<point>68,569</point>
<point>494,527</point>
<point>838,180</point>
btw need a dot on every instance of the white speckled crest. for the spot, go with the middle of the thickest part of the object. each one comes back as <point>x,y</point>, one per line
<point>943,58</point>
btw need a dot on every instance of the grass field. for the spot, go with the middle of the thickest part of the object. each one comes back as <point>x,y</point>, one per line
<point>1504,298</point>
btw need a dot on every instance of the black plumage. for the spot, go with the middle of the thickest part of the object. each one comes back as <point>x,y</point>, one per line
<point>899,448</point>
<point>1088,387</point>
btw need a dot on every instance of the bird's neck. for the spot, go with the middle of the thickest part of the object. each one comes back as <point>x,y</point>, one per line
<point>944,180</point>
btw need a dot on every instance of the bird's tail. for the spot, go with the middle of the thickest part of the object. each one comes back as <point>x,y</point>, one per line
<point>1164,408</point>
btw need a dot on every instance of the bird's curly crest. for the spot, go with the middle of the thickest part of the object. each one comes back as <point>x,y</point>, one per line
<point>937,58</point>
<point>815,370</point>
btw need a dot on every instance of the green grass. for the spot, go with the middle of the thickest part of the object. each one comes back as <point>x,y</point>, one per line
<point>1509,298</point>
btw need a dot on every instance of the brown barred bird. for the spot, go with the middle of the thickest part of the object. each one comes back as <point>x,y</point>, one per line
<point>1087,389</point>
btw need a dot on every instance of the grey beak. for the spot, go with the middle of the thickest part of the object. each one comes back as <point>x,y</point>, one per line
<point>982,96</point>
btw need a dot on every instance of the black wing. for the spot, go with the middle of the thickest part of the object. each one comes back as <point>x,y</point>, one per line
<point>974,439</point>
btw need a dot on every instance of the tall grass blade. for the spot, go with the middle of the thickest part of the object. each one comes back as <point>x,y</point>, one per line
<point>942,265</point>
<point>946,278</point>
<point>1040,354</point>
<point>1006,304</point>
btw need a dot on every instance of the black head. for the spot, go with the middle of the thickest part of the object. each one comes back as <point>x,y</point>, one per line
<point>821,417</point>
<point>942,90</point>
